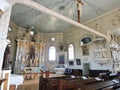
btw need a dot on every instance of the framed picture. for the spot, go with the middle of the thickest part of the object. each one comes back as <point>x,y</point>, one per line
<point>71,63</point>
<point>85,50</point>
<point>61,59</point>
<point>78,61</point>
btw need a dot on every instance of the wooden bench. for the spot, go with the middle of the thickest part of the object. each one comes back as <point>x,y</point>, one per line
<point>104,74</point>
<point>68,85</point>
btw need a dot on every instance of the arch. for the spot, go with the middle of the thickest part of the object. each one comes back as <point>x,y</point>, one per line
<point>86,39</point>
<point>71,51</point>
<point>52,53</point>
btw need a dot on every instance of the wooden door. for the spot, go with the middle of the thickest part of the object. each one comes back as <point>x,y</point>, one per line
<point>86,67</point>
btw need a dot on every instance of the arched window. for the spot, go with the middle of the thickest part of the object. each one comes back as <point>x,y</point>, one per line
<point>85,40</point>
<point>52,53</point>
<point>71,52</point>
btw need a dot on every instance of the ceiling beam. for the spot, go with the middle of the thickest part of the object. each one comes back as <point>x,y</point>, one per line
<point>43,9</point>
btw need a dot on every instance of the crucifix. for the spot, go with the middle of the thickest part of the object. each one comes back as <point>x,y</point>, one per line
<point>79,8</point>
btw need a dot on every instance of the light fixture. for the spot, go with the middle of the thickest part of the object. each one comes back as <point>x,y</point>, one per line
<point>52,39</point>
<point>31,32</point>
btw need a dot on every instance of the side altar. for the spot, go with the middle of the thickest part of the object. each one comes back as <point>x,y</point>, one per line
<point>30,53</point>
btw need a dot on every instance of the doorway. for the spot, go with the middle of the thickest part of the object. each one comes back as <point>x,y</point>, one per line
<point>86,67</point>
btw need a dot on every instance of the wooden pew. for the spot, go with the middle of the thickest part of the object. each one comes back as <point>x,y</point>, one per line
<point>43,81</point>
<point>53,84</point>
<point>49,83</point>
<point>68,84</point>
<point>100,85</point>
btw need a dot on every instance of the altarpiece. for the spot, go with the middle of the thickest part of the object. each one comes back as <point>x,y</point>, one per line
<point>30,54</point>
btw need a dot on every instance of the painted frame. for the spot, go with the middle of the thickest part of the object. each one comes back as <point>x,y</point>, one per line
<point>71,63</point>
<point>85,50</point>
<point>61,59</point>
<point>78,61</point>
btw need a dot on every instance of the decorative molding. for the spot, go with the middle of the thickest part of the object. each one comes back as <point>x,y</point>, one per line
<point>102,61</point>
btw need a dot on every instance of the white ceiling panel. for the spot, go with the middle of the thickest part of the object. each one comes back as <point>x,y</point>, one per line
<point>26,17</point>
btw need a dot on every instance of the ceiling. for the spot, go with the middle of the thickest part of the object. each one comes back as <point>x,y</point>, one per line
<point>27,17</point>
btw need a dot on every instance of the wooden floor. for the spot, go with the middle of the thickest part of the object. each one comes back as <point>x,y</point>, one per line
<point>33,84</point>
<point>29,85</point>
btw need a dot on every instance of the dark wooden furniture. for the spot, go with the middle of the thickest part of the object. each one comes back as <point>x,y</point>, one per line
<point>100,85</point>
<point>68,85</point>
<point>76,72</point>
<point>51,83</point>
<point>104,74</point>
<point>43,80</point>
<point>54,84</point>
<point>96,73</point>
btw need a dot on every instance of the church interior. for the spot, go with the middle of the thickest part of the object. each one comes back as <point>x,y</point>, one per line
<point>60,45</point>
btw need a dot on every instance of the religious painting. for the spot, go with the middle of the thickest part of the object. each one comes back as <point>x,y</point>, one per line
<point>71,63</point>
<point>85,50</point>
<point>78,61</point>
<point>61,59</point>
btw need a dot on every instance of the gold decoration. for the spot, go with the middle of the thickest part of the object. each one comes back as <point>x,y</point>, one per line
<point>30,53</point>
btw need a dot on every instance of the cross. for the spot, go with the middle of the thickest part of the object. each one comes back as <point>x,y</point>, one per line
<point>79,8</point>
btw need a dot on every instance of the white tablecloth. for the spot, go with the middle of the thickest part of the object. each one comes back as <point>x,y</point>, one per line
<point>16,79</point>
<point>59,70</point>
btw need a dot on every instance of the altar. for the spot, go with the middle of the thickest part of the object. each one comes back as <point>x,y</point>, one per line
<point>30,53</point>
<point>59,70</point>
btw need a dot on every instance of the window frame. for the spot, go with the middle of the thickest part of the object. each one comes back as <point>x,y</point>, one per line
<point>52,55</point>
<point>73,52</point>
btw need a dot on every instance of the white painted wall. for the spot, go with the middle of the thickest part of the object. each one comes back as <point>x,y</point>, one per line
<point>103,24</point>
<point>4,23</point>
